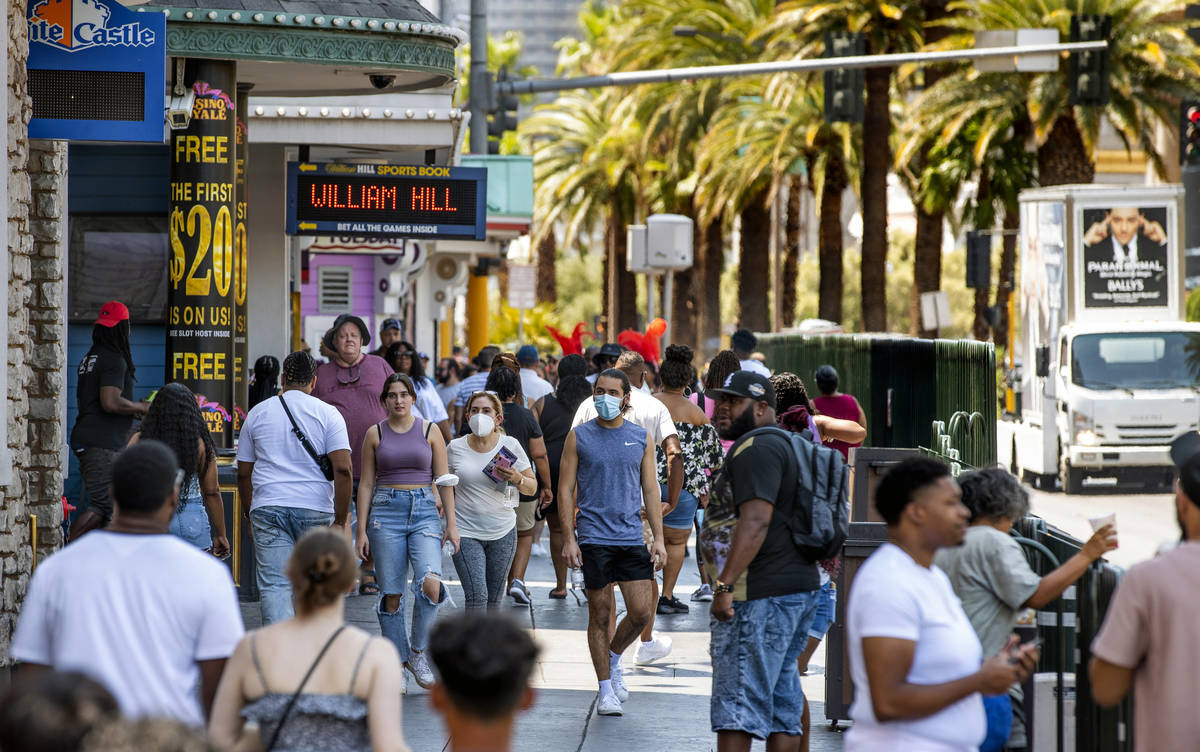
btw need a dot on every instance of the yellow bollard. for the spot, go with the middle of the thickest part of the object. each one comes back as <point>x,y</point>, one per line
<point>33,540</point>
<point>446,336</point>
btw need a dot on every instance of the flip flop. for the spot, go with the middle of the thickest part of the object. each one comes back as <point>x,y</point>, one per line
<point>558,595</point>
<point>368,588</point>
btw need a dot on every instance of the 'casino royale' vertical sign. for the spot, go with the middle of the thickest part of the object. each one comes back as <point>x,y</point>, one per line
<point>241,344</point>
<point>200,300</point>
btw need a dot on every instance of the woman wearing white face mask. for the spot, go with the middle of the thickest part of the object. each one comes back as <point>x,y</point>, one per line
<point>493,470</point>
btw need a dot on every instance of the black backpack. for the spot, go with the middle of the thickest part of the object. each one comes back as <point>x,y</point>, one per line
<point>819,522</point>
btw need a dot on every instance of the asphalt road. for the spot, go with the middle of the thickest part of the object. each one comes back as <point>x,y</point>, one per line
<point>1144,521</point>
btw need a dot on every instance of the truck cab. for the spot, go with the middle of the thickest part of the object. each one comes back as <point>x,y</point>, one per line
<point>1122,394</point>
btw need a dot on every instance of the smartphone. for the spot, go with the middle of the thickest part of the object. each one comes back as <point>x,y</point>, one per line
<point>1036,642</point>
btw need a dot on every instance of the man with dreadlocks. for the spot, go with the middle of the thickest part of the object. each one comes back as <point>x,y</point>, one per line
<point>104,396</point>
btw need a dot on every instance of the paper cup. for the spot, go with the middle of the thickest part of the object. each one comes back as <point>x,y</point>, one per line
<point>1099,522</point>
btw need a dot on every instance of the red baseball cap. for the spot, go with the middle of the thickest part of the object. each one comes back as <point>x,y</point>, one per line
<point>112,313</point>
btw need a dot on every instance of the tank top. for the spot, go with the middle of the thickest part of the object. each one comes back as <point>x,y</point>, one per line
<point>403,459</point>
<point>609,483</point>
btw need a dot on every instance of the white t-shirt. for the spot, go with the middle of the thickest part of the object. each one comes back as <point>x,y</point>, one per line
<point>478,502</point>
<point>135,613</point>
<point>429,403</point>
<point>893,596</point>
<point>285,475</point>
<point>755,366</point>
<point>645,410</point>
<point>534,387</point>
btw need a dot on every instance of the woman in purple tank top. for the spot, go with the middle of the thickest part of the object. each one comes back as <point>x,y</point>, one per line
<point>400,521</point>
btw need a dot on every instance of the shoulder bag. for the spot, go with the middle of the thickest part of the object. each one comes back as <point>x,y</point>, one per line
<point>322,460</point>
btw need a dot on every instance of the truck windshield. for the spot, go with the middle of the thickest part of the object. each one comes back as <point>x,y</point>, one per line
<point>1136,360</point>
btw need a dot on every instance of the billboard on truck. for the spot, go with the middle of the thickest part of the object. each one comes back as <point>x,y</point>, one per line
<point>1125,256</point>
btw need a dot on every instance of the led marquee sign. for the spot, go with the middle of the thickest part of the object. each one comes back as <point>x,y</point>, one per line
<point>373,200</point>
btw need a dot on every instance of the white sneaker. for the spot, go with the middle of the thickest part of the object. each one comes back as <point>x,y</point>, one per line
<point>608,705</point>
<point>403,681</point>
<point>617,677</point>
<point>656,649</point>
<point>418,664</point>
<point>539,550</point>
<point>519,592</point>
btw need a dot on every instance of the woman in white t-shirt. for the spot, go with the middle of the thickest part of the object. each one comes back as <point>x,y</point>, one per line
<point>917,665</point>
<point>492,470</point>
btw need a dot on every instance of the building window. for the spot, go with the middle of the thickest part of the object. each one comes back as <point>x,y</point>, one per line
<point>335,289</point>
<point>118,258</point>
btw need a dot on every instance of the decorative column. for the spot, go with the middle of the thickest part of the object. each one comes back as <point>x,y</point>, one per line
<point>241,349</point>
<point>200,297</point>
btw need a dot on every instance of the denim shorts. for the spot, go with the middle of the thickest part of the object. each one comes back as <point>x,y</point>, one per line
<point>190,522</point>
<point>756,688</point>
<point>684,512</point>
<point>826,609</point>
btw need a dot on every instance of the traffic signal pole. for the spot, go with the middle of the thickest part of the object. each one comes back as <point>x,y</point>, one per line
<point>800,65</point>
<point>481,89</point>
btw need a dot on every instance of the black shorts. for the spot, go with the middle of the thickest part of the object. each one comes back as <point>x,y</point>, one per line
<point>603,565</point>
<point>95,468</point>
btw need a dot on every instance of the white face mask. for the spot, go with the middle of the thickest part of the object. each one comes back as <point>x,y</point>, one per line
<point>482,425</point>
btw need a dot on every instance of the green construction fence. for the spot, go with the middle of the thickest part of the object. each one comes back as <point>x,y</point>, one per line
<point>905,385</point>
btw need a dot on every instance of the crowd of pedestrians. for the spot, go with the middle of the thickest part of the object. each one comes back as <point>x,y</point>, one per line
<point>364,473</point>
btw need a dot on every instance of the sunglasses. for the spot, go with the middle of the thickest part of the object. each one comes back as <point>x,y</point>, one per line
<point>352,375</point>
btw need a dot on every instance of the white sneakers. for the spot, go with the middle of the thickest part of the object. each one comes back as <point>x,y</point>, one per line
<point>618,683</point>
<point>608,705</point>
<point>658,648</point>
<point>418,664</point>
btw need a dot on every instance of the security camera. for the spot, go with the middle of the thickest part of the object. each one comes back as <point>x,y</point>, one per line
<point>381,80</point>
<point>179,110</point>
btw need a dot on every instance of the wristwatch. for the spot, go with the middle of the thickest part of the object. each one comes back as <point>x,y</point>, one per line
<point>720,587</point>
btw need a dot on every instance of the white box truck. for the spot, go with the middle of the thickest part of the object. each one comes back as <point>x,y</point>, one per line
<point>1109,369</point>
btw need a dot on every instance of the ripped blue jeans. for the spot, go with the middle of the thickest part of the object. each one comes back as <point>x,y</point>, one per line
<point>404,529</point>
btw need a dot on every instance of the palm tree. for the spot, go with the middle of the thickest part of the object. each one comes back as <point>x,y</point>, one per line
<point>586,169</point>
<point>799,28</point>
<point>1153,65</point>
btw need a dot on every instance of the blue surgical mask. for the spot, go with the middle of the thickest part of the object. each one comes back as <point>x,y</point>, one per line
<point>607,406</point>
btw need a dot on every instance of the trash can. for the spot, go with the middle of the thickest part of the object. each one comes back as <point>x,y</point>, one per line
<point>862,540</point>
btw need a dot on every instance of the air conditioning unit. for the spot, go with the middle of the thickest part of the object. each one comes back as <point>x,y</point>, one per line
<point>448,275</point>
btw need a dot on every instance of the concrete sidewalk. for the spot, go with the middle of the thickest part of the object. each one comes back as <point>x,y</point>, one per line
<point>668,707</point>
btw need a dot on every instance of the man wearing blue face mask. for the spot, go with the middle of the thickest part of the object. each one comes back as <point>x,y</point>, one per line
<point>651,414</point>
<point>609,461</point>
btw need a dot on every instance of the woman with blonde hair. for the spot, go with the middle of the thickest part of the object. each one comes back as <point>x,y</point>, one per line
<point>492,471</point>
<point>313,682</point>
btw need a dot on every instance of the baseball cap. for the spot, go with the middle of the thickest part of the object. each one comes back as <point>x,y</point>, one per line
<point>1185,453</point>
<point>609,350</point>
<point>389,324</point>
<point>752,385</point>
<point>527,355</point>
<point>112,313</point>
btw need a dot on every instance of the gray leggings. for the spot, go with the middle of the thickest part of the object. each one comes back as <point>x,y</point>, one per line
<point>483,568</point>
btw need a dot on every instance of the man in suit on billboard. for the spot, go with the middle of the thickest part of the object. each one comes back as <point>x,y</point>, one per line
<point>1125,258</point>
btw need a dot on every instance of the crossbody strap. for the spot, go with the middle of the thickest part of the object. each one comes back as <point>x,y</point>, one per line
<point>291,703</point>
<point>308,447</point>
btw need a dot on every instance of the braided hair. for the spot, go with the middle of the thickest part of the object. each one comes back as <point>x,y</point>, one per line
<point>299,369</point>
<point>723,365</point>
<point>789,392</point>
<point>174,419</point>
<point>266,374</point>
<point>115,338</point>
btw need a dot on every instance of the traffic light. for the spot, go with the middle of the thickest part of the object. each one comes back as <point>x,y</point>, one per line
<point>502,112</point>
<point>979,260</point>
<point>1189,133</point>
<point>844,86</point>
<point>1089,68</point>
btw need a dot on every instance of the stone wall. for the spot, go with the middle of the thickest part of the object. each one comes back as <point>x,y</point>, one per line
<point>36,339</point>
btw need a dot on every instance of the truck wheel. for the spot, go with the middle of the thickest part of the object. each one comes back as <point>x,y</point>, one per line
<point>1072,477</point>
